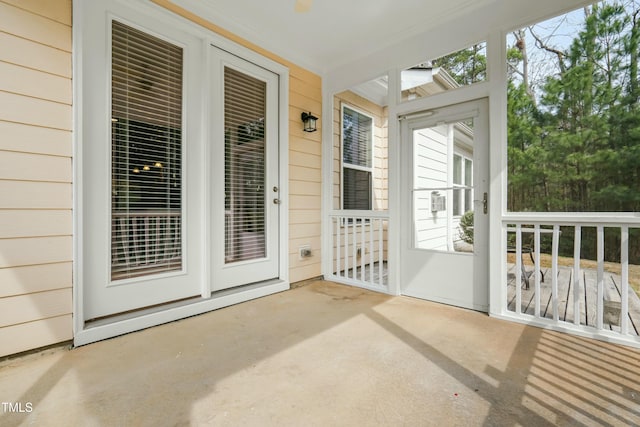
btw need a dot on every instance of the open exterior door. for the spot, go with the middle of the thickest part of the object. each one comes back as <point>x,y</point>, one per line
<point>445,212</point>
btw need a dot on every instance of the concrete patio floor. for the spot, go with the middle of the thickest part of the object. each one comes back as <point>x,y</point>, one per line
<point>327,354</point>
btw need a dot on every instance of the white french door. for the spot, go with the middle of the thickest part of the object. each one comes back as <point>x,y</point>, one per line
<point>142,231</point>
<point>444,249</point>
<point>154,206</point>
<point>245,199</point>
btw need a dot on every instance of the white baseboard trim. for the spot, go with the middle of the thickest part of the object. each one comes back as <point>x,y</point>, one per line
<point>104,329</point>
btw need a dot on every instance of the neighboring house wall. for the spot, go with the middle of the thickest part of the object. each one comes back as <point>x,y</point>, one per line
<point>434,152</point>
<point>431,158</point>
<point>305,162</point>
<point>35,174</point>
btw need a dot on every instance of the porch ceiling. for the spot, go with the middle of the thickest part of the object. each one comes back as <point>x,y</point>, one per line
<point>332,32</point>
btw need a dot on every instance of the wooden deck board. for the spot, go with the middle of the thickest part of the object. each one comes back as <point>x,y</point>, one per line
<point>588,288</point>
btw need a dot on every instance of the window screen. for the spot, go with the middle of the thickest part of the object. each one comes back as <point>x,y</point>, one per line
<point>146,154</point>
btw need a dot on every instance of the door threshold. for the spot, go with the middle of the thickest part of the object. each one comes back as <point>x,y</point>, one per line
<point>109,327</point>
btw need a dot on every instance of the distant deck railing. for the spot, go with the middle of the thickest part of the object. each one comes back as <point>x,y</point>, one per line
<point>145,242</point>
<point>590,296</point>
<point>359,248</point>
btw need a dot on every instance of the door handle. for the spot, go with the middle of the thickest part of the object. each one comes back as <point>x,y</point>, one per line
<point>485,203</point>
<point>276,201</point>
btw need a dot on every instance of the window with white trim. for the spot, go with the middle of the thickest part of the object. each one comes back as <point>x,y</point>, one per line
<point>357,159</point>
<point>462,184</point>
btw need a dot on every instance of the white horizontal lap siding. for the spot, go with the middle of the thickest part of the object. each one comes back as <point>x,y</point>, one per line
<point>35,174</point>
<point>430,172</point>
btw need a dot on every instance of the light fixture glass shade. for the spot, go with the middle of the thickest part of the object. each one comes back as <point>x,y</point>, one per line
<point>310,122</point>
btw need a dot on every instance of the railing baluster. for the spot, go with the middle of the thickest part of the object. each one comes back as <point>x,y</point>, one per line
<point>536,267</point>
<point>346,248</point>
<point>355,236</point>
<point>519,269</point>
<point>600,278</point>
<point>624,261</point>
<point>589,305</point>
<point>147,240</point>
<point>372,254</point>
<point>363,249</point>
<point>156,238</point>
<point>354,244</point>
<point>380,253</point>
<point>576,274</point>
<point>554,271</point>
<point>124,238</point>
<point>338,245</point>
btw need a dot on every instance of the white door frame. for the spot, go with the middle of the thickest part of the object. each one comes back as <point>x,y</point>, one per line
<point>88,14</point>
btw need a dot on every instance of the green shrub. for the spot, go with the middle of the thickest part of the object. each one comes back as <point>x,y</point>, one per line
<point>466,227</point>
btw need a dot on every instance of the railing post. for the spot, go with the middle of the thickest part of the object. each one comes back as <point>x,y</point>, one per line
<point>519,269</point>
<point>576,274</point>
<point>624,261</point>
<point>363,249</point>
<point>380,252</point>
<point>554,271</point>
<point>338,246</point>
<point>372,254</point>
<point>600,278</point>
<point>536,267</point>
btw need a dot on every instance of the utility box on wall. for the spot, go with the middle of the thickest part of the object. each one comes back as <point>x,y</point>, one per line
<point>438,202</point>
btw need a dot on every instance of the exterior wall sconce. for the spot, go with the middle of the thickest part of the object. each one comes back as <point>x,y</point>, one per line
<point>310,122</point>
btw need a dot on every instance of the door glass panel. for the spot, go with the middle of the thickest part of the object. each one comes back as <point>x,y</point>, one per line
<point>442,187</point>
<point>146,154</point>
<point>244,121</point>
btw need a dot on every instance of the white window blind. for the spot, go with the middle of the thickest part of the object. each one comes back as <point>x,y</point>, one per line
<point>245,219</point>
<point>357,160</point>
<point>146,154</point>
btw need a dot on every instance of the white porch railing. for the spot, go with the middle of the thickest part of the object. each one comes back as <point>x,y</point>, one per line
<point>145,242</point>
<point>550,280</point>
<point>359,248</point>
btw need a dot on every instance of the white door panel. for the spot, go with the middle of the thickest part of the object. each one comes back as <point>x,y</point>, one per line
<point>245,187</point>
<point>436,264</point>
<point>141,222</point>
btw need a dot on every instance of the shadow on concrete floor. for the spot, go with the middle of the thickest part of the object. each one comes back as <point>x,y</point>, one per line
<point>327,354</point>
